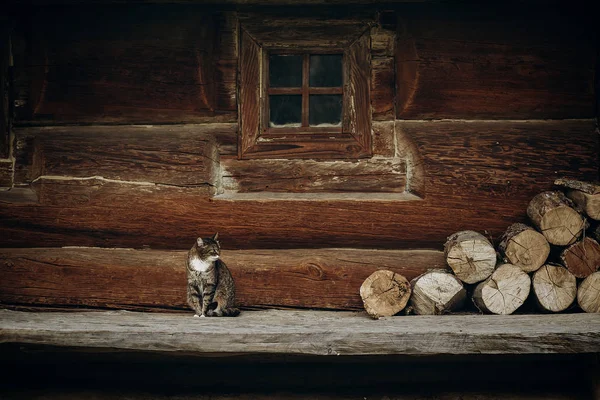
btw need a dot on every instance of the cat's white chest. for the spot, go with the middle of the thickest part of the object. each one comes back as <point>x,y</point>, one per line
<point>199,265</point>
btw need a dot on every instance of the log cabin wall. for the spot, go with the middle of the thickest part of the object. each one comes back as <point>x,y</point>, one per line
<point>124,132</point>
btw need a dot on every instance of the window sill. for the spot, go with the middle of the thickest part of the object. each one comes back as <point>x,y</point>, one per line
<point>354,196</point>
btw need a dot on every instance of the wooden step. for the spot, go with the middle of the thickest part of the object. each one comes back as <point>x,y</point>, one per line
<point>304,332</point>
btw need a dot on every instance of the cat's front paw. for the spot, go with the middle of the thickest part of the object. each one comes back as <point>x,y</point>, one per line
<point>196,315</point>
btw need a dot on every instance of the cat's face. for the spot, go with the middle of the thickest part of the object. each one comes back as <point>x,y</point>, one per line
<point>209,249</point>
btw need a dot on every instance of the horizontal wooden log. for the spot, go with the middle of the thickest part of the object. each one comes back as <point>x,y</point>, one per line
<point>501,165</point>
<point>306,333</point>
<point>466,62</point>
<point>303,176</point>
<point>170,155</point>
<point>151,64</point>
<point>155,280</point>
<point>502,159</point>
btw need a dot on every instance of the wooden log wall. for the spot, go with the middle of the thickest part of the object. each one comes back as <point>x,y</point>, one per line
<point>475,110</point>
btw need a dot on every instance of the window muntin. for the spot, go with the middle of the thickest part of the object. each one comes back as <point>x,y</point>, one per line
<point>304,92</point>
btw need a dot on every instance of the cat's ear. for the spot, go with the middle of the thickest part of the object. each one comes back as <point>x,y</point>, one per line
<point>199,242</point>
<point>216,237</point>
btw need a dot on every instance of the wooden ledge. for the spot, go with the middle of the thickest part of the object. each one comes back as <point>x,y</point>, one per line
<point>316,333</point>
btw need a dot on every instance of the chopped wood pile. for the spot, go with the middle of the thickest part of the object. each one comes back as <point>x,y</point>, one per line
<point>551,263</point>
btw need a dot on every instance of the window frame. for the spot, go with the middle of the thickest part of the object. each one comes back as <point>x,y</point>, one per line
<point>305,91</point>
<point>256,141</point>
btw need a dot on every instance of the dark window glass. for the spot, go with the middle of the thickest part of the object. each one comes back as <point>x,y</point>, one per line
<point>285,110</point>
<point>285,70</point>
<point>325,70</point>
<point>325,109</point>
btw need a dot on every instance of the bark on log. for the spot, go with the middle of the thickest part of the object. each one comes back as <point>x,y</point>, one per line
<point>385,293</point>
<point>524,247</point>
<point>470,255</point>
<point>582,258</point>
<point>504,291</point>
<point>554,288</point>
<point>588,203</point>
<point>588,293</point>
<point>437,292</point>
<point>552,214</point>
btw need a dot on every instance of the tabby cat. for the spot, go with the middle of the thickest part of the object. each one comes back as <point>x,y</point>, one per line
<point>210,288</point>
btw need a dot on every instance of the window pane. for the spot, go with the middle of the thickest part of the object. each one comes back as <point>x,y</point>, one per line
<point>285,70</point>
<point>326,70</point>
<point>285,110</point>
<point>325,110</point>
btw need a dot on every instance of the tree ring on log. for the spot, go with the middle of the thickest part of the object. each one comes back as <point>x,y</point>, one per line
<point>504,291</point>
<point>524,247</point>
<point>385,293</point>
<point>470,255</point>
<point>555,287</point>
<point>588,294</point>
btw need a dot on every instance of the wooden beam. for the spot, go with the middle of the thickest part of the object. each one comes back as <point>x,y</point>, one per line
<point>327,334</point>
<point>155,280</point>
<point>467,63</point>
<point>169,155</point>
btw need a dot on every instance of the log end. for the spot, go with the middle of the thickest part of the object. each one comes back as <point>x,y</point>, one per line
<point>385,293</point>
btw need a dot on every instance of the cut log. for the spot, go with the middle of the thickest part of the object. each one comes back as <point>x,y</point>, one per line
<point>586,187</point>
<point>524,247</point>
<point>588,203</point>
<point>470,255</point>
<point>385,293</point>
<point>552,214</point>
<point>504,291</point>
<point>588,294</point>
<point>554,287</point>
<point>582,258</point>
<point>437,292</point>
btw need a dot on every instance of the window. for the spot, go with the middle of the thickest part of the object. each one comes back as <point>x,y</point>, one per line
<point>304,93</point>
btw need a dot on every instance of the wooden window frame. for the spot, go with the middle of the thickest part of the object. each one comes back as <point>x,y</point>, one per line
<point>257,141</point>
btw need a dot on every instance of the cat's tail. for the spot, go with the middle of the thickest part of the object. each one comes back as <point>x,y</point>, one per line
<point>231,312</point>
<point>224,312</point>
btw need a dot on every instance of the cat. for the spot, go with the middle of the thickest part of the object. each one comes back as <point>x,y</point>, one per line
<point>210,286</point>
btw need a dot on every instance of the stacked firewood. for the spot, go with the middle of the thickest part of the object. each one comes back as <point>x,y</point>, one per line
<point>553,261</point>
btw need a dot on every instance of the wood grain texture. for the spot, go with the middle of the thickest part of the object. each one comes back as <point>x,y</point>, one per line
<point>6,173</point>
<point>308,176</point>
<point>150,64</point>
<point>357,94</point>
<point>306,333</point>
<point>155,280</point>
<point>5,84</point>
<point>465,62</point>
<point>502,159</point>
<point>500,166</point>
<point>168,155</point>
<point>249,93</point>
<point>383,80</point>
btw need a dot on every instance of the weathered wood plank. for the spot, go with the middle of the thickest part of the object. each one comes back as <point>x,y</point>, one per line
<point>382,94</point>
<point>306,333</point>
<point>299,176</point>
<point>467,63</point>
<point>81,69</point>
<point>6,83</point>
<point>155,280</point>
<point>451,159</point>
<point>502,158</point>
<point>171,154</point>
<point>6,173</point>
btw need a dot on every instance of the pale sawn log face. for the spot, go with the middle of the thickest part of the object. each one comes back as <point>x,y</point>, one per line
<point>504,291</point>
<point>554,287</point>
<point>524,247</point>
<point>589,203</point>
<point>437,292</point>
<point>385,293</point>
<point>552,214</point>
<point>588,293</point>
<point>470,255</point>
